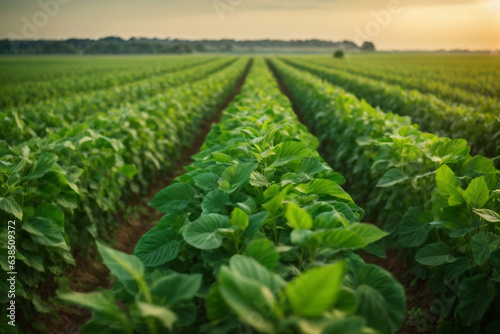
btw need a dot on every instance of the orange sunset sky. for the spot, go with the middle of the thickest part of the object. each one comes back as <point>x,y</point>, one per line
<point>390,24</point>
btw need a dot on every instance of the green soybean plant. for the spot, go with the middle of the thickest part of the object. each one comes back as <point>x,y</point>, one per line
<point>265,223</point>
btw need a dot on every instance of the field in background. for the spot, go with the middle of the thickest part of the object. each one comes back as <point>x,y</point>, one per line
<point>257,231</point>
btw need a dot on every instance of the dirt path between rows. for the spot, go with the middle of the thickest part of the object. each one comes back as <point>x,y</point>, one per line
<point>417,293</point>
<point>89,274</point>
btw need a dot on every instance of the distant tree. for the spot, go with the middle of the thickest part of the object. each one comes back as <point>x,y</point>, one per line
<point>338,54</point>
<point>368,47</point>
<point>58,47</point>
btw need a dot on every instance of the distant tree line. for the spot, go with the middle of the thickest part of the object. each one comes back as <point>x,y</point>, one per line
<point>117,45</point>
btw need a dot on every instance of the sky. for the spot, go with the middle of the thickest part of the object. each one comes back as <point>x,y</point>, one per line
<point>389,24</point>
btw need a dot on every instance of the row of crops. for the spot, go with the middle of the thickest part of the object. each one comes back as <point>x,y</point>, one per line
<point>259,233</point>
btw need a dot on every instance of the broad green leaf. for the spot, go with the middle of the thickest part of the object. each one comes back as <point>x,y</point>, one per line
<point>477,193</point>
<point>207,181</point>
<point>312,166</point>
<point>289,151</point>
<point>412,233</point>
<point>276,203</point>
<point>434,254</point>
<point>482,245</point>
<point>215,201</point>
<point>342,239</point>
<point>124,266</point>
<point>236,176</point>
<point>488,215</point>
<point>175,288</point>
<point>161,313</point>
<point>324,187</point>
<point>239,218</point>
<point>96,301</point>
<point>369,232</point>
<point>381,298</point>
<point>457,268</point>
<point>298,218</point>
<point>347,301</point>
<point>128,170</point>
<point>251,269</point>
<point>45,232</point>
<point>50,212</point>
<point>254,303</point>
<point>42,166</point>
<point>258,180</point>
<point>157,247</point>
<point>264,251</point>
<point>10,205</point>
<point>392,177</point>
<point>453,151</point>
<point>173,198</point>
<point>255,221</point>
<point>215,305</point>
<point>474,297</point>
<point>446,180</point>
<point>203,233</point>
<point>315,291</point>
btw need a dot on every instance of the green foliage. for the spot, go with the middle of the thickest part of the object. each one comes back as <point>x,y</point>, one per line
<point>439,197</point>
<point>66,188</point>
<point>257,214</point>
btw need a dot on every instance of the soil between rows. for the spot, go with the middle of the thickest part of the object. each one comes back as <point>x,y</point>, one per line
<point>89,274</point>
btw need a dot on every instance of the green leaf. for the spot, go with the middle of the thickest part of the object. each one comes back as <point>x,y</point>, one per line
<point>42,166</point>
<point>457,268</point>
<point>392,177</point>
<point>254,303</point>
<point>173,198</point>
<point>315,291</point>
<point>324,187</point>
<point>124,266</point>
<point>434,254</point>
<point>482,245</point>
<point>239,218</point>
<point>215,201</point>
<point>157,247</point>
<point>175,288</point>
<point>45,232</point>
<point>96,301</point>
<point>369,232</point>
<point>10,205</point>
<point>203,232</point>
<point>412,233</point>
<point>251,269</point>
<point>255,221</point>
<point>474,297</point>
<point>289,151</point>
<point>264,251</point>
<point>128,170</point>
<point>477,193</point>
<point>50,212</point>
<point>215,305</point>
<point>298,218</point>
<point>381,298</point>
<point>166,317</point>
<point>258,180</point>
<point>488,215</point>
<point>236,176</point>
<point>342,239</point>
<point>446,179</point>
<point>207,181</point>
<point>347,301</point>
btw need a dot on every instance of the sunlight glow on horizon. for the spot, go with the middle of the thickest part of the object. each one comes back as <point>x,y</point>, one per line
<point>412,25</point>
